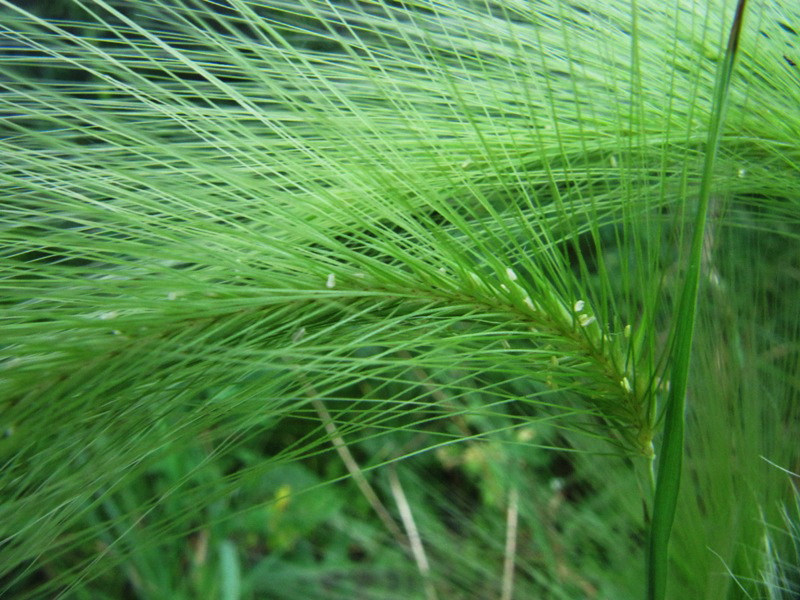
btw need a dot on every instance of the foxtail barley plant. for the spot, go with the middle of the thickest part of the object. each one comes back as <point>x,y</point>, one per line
<point>399,299</point>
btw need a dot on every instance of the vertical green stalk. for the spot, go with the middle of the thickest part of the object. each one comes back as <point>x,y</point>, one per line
<point>671,454</point>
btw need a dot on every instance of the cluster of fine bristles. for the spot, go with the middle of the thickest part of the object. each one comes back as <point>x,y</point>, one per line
<point>251,249</point>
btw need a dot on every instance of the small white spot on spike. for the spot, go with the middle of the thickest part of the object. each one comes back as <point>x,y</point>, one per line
<point>510,274</point>
<point>331,282</point>
<point>579,305</point>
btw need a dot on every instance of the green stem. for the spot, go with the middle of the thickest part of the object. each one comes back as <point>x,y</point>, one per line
<point>671,455</point>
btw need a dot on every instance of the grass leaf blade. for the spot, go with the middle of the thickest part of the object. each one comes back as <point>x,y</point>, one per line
<point>671,459</point>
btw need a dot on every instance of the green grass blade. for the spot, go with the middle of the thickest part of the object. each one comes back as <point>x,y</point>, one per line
<point>671,459</point>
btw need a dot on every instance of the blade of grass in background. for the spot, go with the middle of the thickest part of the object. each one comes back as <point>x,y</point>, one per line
<point>670,464</point>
